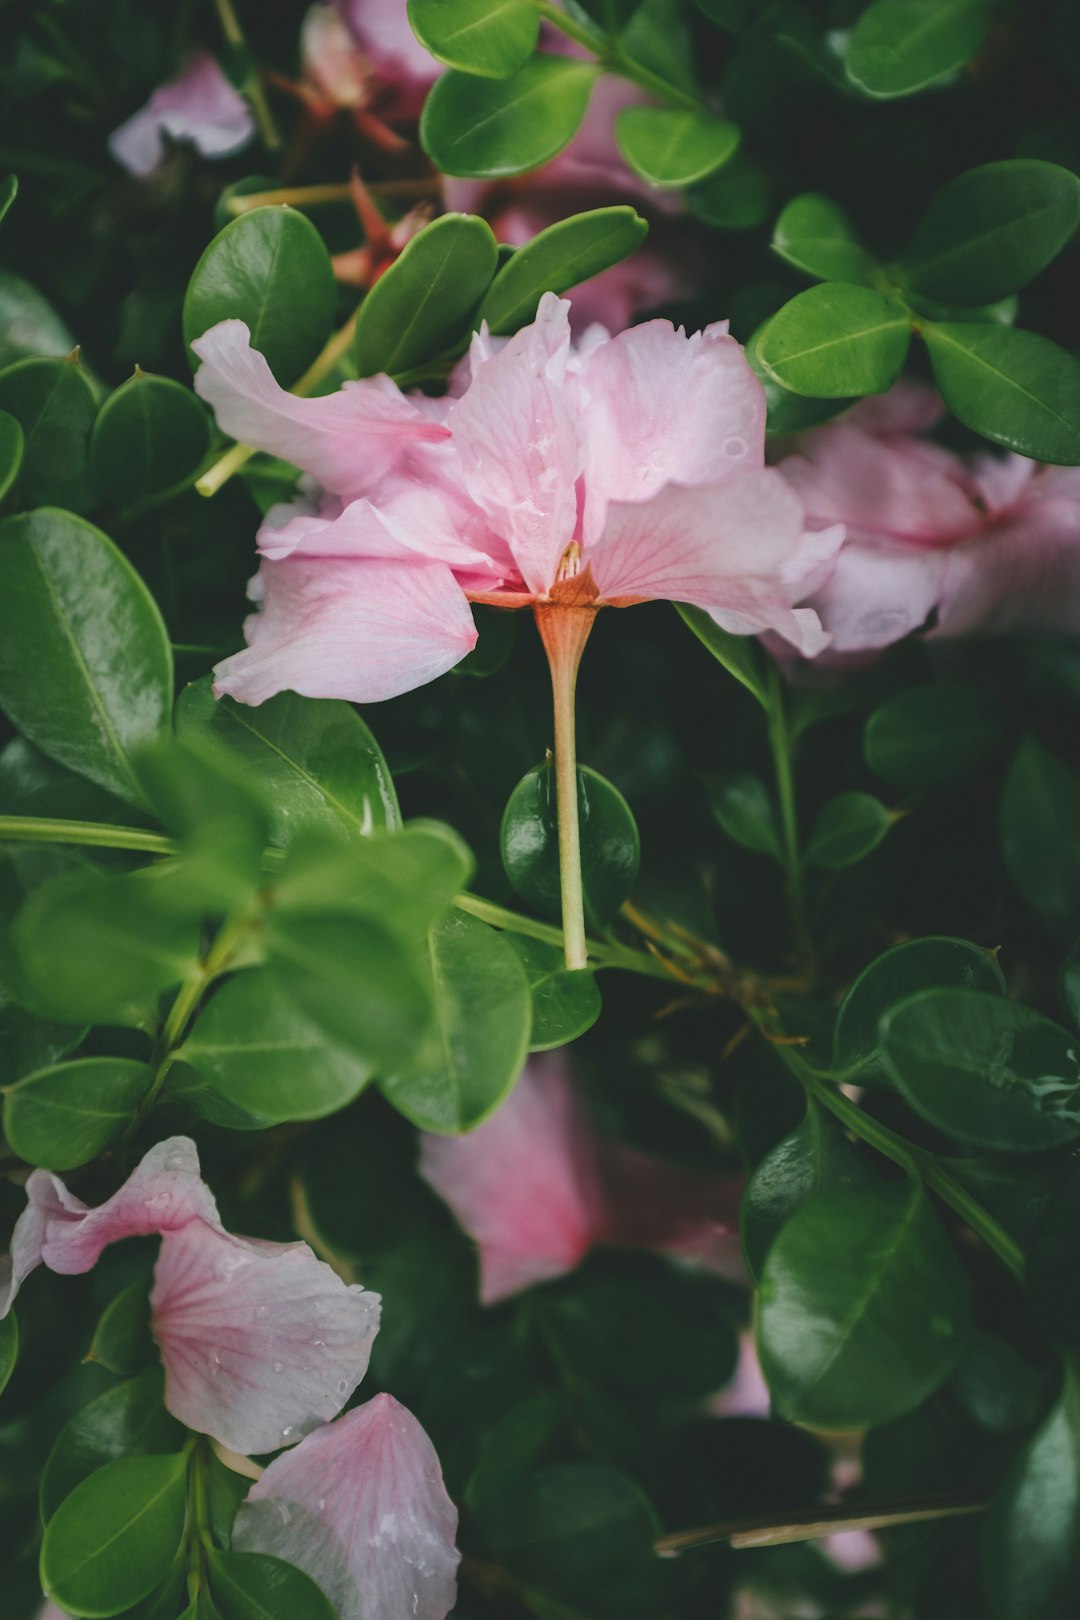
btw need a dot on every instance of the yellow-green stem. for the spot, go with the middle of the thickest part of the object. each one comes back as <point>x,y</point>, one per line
<point>564,630</point>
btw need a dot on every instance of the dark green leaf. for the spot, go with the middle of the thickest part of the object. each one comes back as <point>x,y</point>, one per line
<point>269,269</point>
<point>900,46</point>
<point>85,663</point>
<point>814,1158</point>
<point>736,198</point>
<point>742,805</point>
<point>1053,1284</point>
<point>12,445</point>
<point>564,1004</point>
<point>863,1307</point>
<point>426,300</point>
<point>668,146</point>
<point>558,258</point>
<point>122,1341</point>
<point>741,656</point>
<point>987,1071</point>
<point>814,234</point>
<point>127,1420</point>
<point>150,438</point>
<point>932,734</point>
<point>835,341</point>
<point>9,190</point>
<point>513,1446</point>
<point>251,1586</point>
<point>483,128</point>
<point>54,404</point>
<point>65,1116</point>
<point>610,847</point>
<point>9,1347</point>
<point>29,325</point>
<point>1013,387</point>
<point>489,37</point>
<point>28,1043</point>
<point>1031,1543</point>
<point>1040,832</point>
<point>848,828</point>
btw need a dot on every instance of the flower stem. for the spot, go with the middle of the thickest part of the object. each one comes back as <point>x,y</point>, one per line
<point>564,630</point>
<point>780,747</point>
<point>252,87</point>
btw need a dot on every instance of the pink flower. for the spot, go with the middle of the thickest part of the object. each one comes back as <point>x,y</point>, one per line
<point>957,545</point>
<point>628,470</point>
<point>199,105</point>
<point>536,1188</point>
<point>261,1342</point>
<point>361,1508</point>
<point>403,69</point>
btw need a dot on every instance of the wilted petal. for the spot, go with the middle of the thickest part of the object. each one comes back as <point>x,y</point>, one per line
<point>261,1342</point>
<point>360,630</point>
<point>525,1184</point>
<point>361,1508</point>
<point>345,440</point>
<point>200,106</point>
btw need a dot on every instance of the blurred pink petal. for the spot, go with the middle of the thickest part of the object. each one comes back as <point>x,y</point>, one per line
<point>261,1342</point>
<point>199,106</point>
<point>747,1394</point>
<point>674,1209</point>
<point>402,69</point>
<point>331,62</point>
<point>345,440</point>
<point>363,630</point>
<point>361,1508</point>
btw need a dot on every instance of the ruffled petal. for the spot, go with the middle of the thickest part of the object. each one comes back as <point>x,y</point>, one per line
<point>363,631</point>
<point>200,106</point>
<point>345,440</point>
<point>361,1508</point>
<point>261,1342</point>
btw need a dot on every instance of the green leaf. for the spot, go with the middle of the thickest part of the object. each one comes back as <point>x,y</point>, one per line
<point>484,128</point>
<point>610,847</point>
<point>263,1061</point>
<point>474,1053</point>
<point>900,46</point>
<point>741,656</point>
<point>107,1543</point>
<point>122,1341</point>
<point>989,231</point>
<point>251,1586</point>
<point>814,234</point>
<point>29,325</point>
<point>9,190</point>
<point>934,963</point>
<point>149,439</point>
<point>28,1043</point>
<point>987,1071</point>
<point>735,198</point>
<point>786,412</point>
<point>668,146</point>
<point>1013,387</point>
<point>1031,1541</point>
<point>404,881</point>
<point>9,1347</point>
<point>813,1158</point>
<point>490,37</point>
<point>933,734</point>
<point>54,404</point>
<point>835,341</point>
<point>65,1116</point>
<point>1051,1278</point>
<point>847,829</point>
<point>863,1307</point>
<point>565,1003</point>
<point>741,804</point>
<point>1040,832</point>
<point>12,445</point>
<point>127,1420</point>
<point>556,259</point>
<point>269,269</point>
<point>317,765</point>
<point>426,300</point>
<point>85,662</point>
<point>513,1445</point>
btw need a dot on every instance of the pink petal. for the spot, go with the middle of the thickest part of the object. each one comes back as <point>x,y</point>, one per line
<point>26,1244</point>
<point>519,441</point>
<point>747,1395</point>
<point>261,1342</point>
<point>361,1508</point>
<point>363,630</point>
<point>345,440</point>
<point>403,68</point>
<point>1022,573</point>
<point>200,106</point>
<point>525,1184</point>
<point>877,595</point>
<point>907,407</point>
<point>674,1209</point>
<point>330,60</point>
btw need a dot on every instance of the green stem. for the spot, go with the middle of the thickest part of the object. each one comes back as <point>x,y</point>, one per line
<point>199,1536</point>
<point>564,630</point>
<point>252,87</point>
<point>601,953</point>
<point>613,58</point>
<point>92,834</point>
<point>780,747</point>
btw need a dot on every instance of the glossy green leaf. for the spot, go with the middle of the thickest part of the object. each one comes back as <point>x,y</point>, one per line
<point>1051,1278</point>
<point>835,341</point>
<point>814,234</point>
<point>1040,832</point>
<point>269,269</point>
<point>742,805</point>
<point>989,231</point>
<point>54,404</point>
<point>741,656</point>
<point>425,302</point>
<point>127,1420</point>
<point>1031,1539</point>
<point>65,1116</point>
<point>85,663</point>
<point>934,963</point>
<point>122,1341</point>
<point>476,1048</point>
<point>1013,387</point>
<point>565,1003</point>
<point>484,128</point>
<point>610,847</point>
<point>9,1347</point>
<point>813,1158</point>
<point>490,37</point>
<point>403,881</point>
<point>863,1307</point>
<point>28,1043</point>
<point>263,1061</point>
<point>29,325</point>
<point>786,412</point>
<point>847,829</point>
<point>12,445</point>
<point>150,437</point>
<point>735,198</point>
<point>556,259</point>
<point>314,760</point>
<point>107,1543</point>
<point>668,146</point>
<point>251,1586</point>
<point>987,1071</point>
<point>900,46</point>
<point>932,734</point>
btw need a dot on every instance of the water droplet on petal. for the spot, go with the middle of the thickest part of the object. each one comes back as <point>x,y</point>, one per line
<point>734,447</point>
<point>279,1366</point>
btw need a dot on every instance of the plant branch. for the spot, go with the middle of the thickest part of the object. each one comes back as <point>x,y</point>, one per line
<point>813,1523</point>
<point>613,59</point>
<point>252,87</point>
<point>780,747</point>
